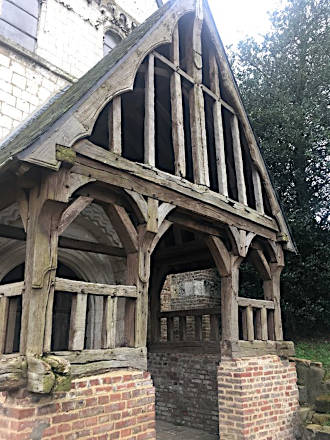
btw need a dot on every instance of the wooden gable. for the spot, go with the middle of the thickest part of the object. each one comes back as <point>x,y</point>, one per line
<point>168,109</point>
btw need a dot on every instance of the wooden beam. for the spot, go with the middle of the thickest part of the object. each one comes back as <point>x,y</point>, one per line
<point>149,121</point>
<point>258,259</point>
<point>218,128</point>
<point>110,323</point>
<point>255,303</point>
<point>152,223</point>
<point>168,188</point>
<point>115,140</point>
<point>177,111</point>
<point>238,159</point>
<point>78,322</point>
<point>258,191</point>
<point>124,227</point>
<point>220,255</point>
<point>249,322</point>
<point>12,289</point>
<point>72,212</point>
<point>83,287</point>
<point>4,306</point>
<point>15,233</point>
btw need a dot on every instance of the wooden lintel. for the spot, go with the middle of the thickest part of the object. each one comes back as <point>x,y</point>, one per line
<point>255,303</point>
<point>83,287</point>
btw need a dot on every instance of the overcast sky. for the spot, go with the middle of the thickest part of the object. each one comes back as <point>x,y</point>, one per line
<point>237,19</point>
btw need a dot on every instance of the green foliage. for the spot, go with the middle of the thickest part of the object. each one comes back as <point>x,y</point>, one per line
<point>284,81</point>
<point>315,351</point>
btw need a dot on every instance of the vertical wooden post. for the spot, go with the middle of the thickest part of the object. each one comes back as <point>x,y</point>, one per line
<point>218,128</point>
<point>196,102</point>
<point>4,305</point>
<point>177,111</point>
<point>249,322</point>
<point>149,122</point>
<point>238,160</point>
<point>264,326</point>
<point>115,142</point>
<point>272,292</point>
<point>110,322</point>
<point>258,191</point>
<point>78,322</point>
<point>229,302</point>
<point>40,268</point>
<point>156,284</point>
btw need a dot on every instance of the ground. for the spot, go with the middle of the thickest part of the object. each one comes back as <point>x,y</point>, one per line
<point>167,431</point>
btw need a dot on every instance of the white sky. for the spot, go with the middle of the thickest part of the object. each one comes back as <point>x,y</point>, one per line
<point>237,19</point>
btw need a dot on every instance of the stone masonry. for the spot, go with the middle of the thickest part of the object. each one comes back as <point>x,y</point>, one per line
<point>117,405</point>
<point>258,399</point>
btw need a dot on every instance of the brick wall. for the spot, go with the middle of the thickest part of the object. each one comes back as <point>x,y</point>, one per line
<point>116,405</point>
<point>258,399</point>
<point>186,388</point>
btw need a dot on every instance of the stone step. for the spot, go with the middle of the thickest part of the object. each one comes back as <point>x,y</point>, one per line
<point>319,432</point>
<point>322,404</point>
<point>321,419</point>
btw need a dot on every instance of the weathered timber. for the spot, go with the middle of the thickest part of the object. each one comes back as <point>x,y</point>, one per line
<point>218,128</point>
<point>220,255</point>
<point>72,212</point>
<point>15,233</point>
<point>260,263</point>
<point>241,187</point>
<point>172,190</point>
<point>4,305</point>
<point>249,323</point>
<point>110,322</point>
<point>258,191</point>
<point>272,292</point>
<point>12,373</point>
<point>177,111</point>
<point>40,377</point>
<point>78,322</point>
<point>256,303</point>
<point>64,285</point>
<point>264,327</point>
<point>90,362</point>
<point>115,126</point>
<point>257,348</point>
<point>123,226</point>
<point>149,119</point>
<point>12,289</point>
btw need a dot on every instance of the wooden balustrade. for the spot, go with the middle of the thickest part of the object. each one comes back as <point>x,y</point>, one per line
<point>115,298</point>
<point>187,326</point>
<point>257,319</point>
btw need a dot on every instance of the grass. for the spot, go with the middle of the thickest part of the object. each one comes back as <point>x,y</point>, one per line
<point>318,351</point>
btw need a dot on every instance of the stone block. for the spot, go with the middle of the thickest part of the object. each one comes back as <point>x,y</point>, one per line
<point>322,403</point>
<point>321,419</point>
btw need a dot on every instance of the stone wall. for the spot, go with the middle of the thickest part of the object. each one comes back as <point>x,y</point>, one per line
<point>186,388</point>
<point>69,43</point>
<point>26,82</point>
<point>258,399</point>
<point>119,404</point>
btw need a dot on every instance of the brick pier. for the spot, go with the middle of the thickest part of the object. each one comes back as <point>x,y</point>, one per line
<point>116,405</point>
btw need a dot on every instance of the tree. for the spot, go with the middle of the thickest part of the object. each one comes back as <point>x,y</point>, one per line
<point>284,81</point>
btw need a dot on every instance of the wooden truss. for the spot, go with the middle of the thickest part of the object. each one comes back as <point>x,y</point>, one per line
<point>163,144</point>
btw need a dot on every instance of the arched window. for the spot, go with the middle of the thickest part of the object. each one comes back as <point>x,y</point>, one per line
<point>110,40</point>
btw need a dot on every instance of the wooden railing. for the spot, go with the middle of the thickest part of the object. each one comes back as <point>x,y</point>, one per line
<point>112,296</point>
<point>257,319</point>
<point>188,326</point>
